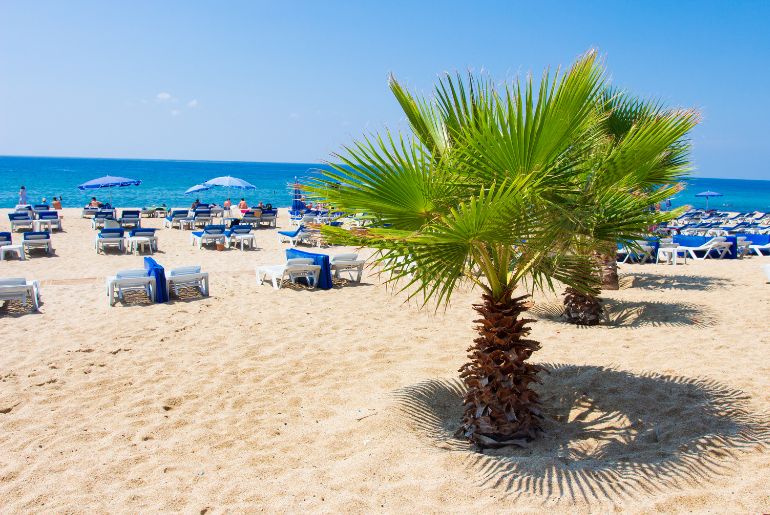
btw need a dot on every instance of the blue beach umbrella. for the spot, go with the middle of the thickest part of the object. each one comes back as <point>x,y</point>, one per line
<point>196,189</point>
<point>108,181</point>
<point>230,182</point>
<point>708,194</point>
<point>296,203</point>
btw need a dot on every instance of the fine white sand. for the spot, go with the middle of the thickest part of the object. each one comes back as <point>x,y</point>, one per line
<point>345,400</point>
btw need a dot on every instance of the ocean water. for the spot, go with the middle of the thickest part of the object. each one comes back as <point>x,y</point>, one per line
<point>162,181</point>
<point>166,181</point>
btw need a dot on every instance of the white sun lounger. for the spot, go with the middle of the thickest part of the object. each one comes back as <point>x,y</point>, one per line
<point>188,276</point>
<point>109,238</point>
<point>209,234</point>
<point>348,263</point>
<point>37,240</point>
<point>129,280</point>
<point>292,270</point>
<point>20,289</point>
<point>718,244</point>
<point>759,249</point>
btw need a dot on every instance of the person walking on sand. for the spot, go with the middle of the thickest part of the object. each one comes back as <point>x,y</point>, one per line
<point>23,195</point>
<point>227,204</point>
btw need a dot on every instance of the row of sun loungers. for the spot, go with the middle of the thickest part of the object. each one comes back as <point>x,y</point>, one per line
<point>137,239</point>
<point>37,222</point>
<point>138,280</point>
<point>30,240</point>
<point>297,268</point>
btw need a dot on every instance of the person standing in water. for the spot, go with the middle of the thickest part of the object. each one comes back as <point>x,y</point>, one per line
<point>22,195</point>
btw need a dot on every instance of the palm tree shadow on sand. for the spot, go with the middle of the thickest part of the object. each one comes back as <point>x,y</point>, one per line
<point>650,281</point>
<point>623,313</point>
<point>608,435</point>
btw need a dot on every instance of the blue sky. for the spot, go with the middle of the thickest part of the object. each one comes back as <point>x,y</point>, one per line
<point>293,81</point>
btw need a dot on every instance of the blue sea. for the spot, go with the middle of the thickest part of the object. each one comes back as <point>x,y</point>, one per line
<point>166,181</point>
<point>162,181</point>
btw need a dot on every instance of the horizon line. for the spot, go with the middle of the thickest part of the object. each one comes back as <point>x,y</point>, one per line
<point>254,162</point>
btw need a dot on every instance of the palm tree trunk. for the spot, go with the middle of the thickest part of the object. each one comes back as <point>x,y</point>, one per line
<point>500,408</point>
<point>581,308</point>
<point>608,269</point>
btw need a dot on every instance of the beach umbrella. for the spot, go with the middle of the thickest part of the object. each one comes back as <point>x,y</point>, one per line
<point>297,204</point>
<point>108,181</point>
<point>197,188</point>
<point>708,194</point>
<point>230,182</point>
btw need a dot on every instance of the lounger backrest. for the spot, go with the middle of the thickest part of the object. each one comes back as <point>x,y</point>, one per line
<point>344,257</point>
<point>41,207</point>
<point>110,223</point>
<point>19,216</point>
<point>214,229</point>
<point>130,214</point>
<point>37,235</point>
<point>184,270</point>
<point>13,281</point>
<point>125,274</point>
<point>111,233</point>
<point>241,229</point>
<point>299,261</point>
<point>142,231</point>
<point>5,236</point>
<point>48,215</point>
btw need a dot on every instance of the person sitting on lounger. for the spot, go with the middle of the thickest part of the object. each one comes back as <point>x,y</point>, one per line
<point>227,204</point>
<point>94,203</point>
<point>243,204</point>
<point>195,204</point>
<point>56,204</point>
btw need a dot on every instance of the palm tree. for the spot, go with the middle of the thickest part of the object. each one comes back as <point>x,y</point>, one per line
<point>480,193</point>
<point>638,163</point>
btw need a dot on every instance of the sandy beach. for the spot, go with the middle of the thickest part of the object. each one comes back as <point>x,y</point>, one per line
<point>255,399</point>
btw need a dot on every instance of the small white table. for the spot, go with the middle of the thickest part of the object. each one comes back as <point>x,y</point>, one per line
<point>16,249</point>
<point>247,239</point>
<point>41,225</point>
<point>137,243</point>
<point>670,254</point>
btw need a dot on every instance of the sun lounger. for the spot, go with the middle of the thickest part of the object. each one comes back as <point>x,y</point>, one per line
<point>640,252</point>
<point>292,270</point>
<point>103,214</point>
<point>47,218</point>
<point>718,244</point>
<point>5,239</point>
<point>130,218</point>
<point>20,220</point>
<point>37,240</point>
<point>174,218</point>
<point>109,238</point>
<point>251,218</point>
<point>348,263</point>
<point>202,217</point>
<point>759,249</point>
<point>188,276</point>
<point>20,289</point>
<point>88,212</point>
<point>139,237</point>
<point>209,234</point>
<point>240,234</point>
<point>129,280</point>
<point>294,237</point>
<point>269,217</point>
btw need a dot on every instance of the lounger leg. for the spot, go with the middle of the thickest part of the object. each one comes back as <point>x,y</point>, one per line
<point>206,286</point>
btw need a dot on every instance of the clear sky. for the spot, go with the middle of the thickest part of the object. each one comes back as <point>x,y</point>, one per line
<point>293,81</point>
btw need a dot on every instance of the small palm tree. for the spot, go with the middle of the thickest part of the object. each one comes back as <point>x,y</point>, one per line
<point>638,163</point>
<point>480,193</point>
